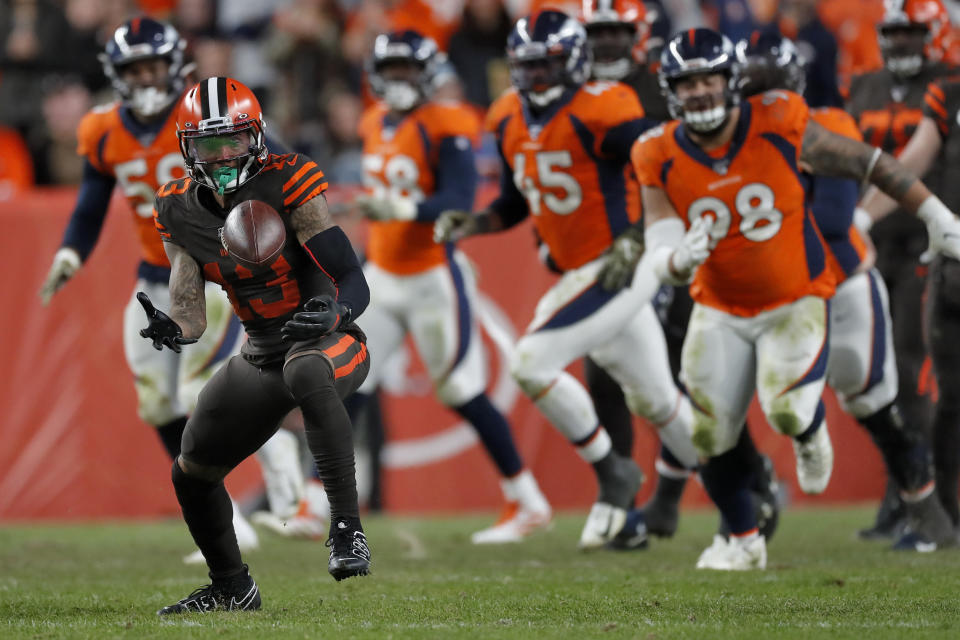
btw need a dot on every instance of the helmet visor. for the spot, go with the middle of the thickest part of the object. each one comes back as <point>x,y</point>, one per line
<point>220,148</point>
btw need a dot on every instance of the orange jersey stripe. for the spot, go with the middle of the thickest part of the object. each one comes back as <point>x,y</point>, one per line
<point>299,174</point>
<point>306,183</point>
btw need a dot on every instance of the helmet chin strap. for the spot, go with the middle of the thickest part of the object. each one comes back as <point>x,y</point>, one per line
<point>905,66</point>
<point>541,99</point>
<point>149,101</point>
<point>400,96</point>
<point>616,70</point>
<point>707,121</point>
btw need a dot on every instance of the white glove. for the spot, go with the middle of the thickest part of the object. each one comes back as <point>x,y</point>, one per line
<point>453,225</point>
<point>383,209</point>
<point>943,229</point>
<point>694,249</point>
<point>66,262</point>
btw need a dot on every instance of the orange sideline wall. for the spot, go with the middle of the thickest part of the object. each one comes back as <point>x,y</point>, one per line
<point>73,447</point>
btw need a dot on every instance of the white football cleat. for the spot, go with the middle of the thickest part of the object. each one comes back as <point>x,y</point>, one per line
<point>515,524</point>
<point>603,524</point>
<point>734,555</point>
<point>814,461</point>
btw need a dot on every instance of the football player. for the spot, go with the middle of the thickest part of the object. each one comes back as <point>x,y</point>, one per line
<point>564,144</point>
<point>418,159</point>
<point>303,348</point>
<point>725,204</point>
<point>936,144</point>
<point>887,105</point>
<point>862,365</point>
<point>617,35</point>
<point>133,143</point>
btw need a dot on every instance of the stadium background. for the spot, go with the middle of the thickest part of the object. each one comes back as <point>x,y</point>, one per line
<point>73,447</point>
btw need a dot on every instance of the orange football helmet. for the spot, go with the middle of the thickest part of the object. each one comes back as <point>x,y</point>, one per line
<point>614,56</point>
<point>220,128</point>
<point>931,23</point>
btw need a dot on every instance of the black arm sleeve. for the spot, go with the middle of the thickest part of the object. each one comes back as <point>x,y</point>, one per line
<point>510,205</point>
<point>456,180</point>
<point>331,251</point>
<point>619,139</point>
<point>86,221</point>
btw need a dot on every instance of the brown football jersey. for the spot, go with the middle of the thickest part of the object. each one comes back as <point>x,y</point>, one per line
<point>887,111</point>
<point>264,297</point>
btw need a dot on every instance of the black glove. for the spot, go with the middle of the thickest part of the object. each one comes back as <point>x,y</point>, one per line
<point>162,330</point>
<point>321,316</point>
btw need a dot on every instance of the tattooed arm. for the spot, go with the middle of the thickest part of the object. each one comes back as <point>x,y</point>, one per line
<point>827,153</point>
<point>311,218</point>
<point>330,250</point>
<point>188,304</point>
<point>918,156</point>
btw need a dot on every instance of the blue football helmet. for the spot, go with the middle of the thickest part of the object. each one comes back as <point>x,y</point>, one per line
<point>548,53</point>
<point>142,39</point>
<point>766,61</point>
<point>696,52</point>
<point>406,46</point>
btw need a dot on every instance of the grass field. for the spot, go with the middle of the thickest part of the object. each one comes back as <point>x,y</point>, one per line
<point>107,581</point>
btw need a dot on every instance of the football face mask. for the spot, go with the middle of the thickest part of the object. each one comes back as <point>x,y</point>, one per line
<point>221,156</point>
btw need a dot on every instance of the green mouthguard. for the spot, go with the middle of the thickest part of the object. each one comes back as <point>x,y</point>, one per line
<point>223,177</point>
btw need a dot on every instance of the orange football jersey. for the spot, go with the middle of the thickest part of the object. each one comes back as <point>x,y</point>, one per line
<point>579,197</point>
<point>139,165</point>
<point>400,160</point>
<point>766,248</point>
<point>846,247</point>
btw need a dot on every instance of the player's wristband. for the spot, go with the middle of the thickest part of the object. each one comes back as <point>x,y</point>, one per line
<point>862,220</point>
<point>662,238</point>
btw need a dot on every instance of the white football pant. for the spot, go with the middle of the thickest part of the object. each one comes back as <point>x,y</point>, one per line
<point>781,354</point>
<point>862,368</point>
<point>438,308</point>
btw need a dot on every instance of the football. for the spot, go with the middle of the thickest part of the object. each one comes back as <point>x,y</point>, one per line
<point>253,233</point>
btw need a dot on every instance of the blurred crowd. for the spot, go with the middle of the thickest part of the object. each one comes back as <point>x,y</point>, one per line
<point>305,60</point>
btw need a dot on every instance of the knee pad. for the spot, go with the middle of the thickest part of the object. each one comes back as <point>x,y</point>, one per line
<point>525,372</point>
<point>306,371</point>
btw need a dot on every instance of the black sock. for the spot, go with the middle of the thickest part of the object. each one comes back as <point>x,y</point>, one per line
<point>904,449</point>
<point>209,516</point>
<point>329,431</point>
<point>494,433</point>
<point>611,407</point>
<point>727,481</point>
<point>171,434</point>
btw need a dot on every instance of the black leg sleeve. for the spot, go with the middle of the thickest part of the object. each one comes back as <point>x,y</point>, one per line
<point>319,377</point>
<point>611,407</point>
<point>209,516</point>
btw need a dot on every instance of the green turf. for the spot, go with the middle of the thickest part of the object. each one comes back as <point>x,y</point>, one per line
<point>107,580</point>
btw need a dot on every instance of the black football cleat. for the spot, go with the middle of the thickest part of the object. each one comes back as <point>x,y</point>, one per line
<point>662,512</point>
<point>928,527</point>
<point>891,520</point>
<point>349,553</point>
<point>236,594</point>
<point>633,536</point>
